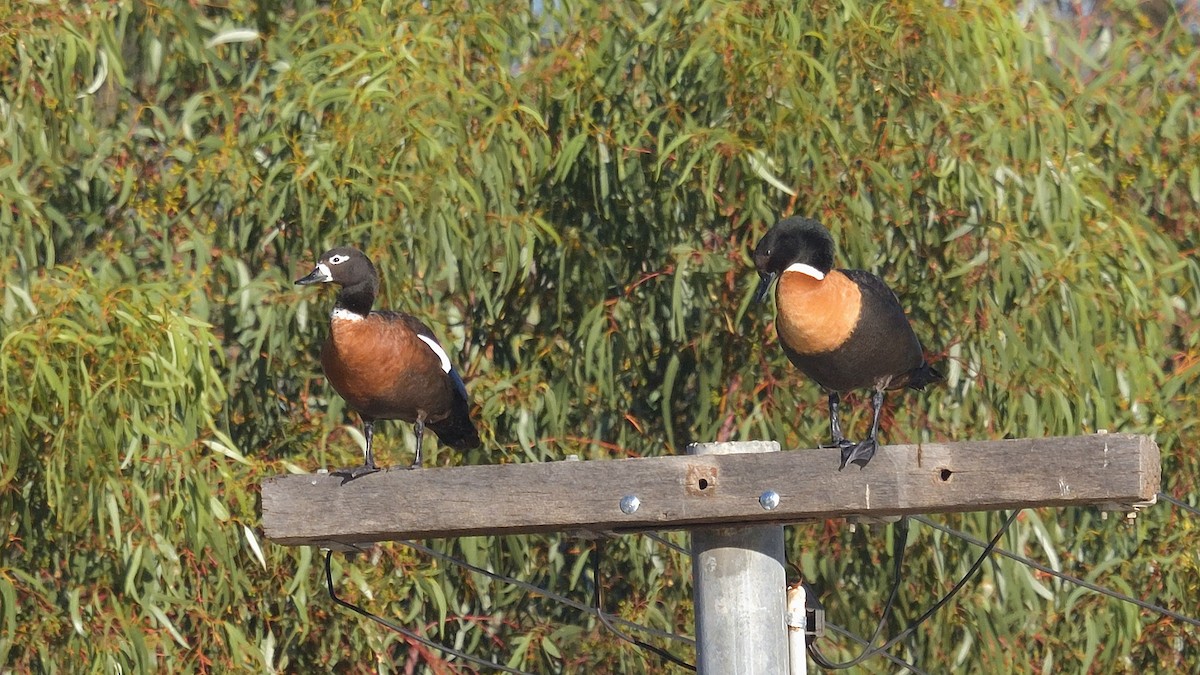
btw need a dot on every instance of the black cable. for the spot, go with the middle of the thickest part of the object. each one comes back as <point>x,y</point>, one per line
<point>819,658</point>
<point>598,596</point>
<point>406,632</point>
<point>1066,577</point>
<point>991,545</point>
<point>668,543</point>
<point>1181,504</point>
<point>863,641</point>
<point>899,544</point>
<point>545,593</point>
<point>831,626</point>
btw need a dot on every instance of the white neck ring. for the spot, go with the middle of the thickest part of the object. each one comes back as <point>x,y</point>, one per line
<point>807,270</point>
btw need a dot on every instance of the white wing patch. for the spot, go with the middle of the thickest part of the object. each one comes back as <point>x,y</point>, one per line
<point>807,270</point>
<point>437,349</point>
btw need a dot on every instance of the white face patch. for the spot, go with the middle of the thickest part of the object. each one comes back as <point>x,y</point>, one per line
<point>806,269</point>
<point>437,349</point>
<point>339,314</point>
<point>325,276</point>
<point>337,259</point>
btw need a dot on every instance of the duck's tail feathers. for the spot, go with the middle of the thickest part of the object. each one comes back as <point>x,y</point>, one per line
<point>457,430</point>
<point>923,375</point>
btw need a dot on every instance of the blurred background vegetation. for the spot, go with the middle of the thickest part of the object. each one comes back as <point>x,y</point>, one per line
<point>569,194</point>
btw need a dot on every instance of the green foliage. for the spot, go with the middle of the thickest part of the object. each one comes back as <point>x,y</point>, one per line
<point>570,199</point>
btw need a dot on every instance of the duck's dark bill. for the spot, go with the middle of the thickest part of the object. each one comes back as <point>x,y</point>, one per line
<point>763,286</point>
<point>319,275</point>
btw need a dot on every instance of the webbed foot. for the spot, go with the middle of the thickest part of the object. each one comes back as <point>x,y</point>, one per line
<point>348,475</point>
<point>858,453</point>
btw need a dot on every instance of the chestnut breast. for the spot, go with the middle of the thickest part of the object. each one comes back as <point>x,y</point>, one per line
<point>847,331</point>
<point>384,370</point>
<point>816,316</point>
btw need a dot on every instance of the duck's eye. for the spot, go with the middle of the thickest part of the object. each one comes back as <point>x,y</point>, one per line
<point>338,259</point>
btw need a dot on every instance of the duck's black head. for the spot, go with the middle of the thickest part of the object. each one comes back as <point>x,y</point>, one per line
<point>351,269</point>
<point>792,241</point>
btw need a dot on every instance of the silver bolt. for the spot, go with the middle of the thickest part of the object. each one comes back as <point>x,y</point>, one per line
<point>629,504</point>
<point>769,499</point>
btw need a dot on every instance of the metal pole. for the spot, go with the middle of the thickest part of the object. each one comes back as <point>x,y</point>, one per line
<point>739,584</point>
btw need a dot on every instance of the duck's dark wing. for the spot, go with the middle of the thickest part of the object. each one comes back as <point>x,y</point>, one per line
<point>881,302</point>
<point>455,429</point>
<point>875,288</point>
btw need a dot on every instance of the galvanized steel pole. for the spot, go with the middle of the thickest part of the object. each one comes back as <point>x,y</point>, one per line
<point>739,583</point>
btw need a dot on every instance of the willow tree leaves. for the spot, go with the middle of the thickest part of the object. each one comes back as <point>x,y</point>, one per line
<point>570,195</point>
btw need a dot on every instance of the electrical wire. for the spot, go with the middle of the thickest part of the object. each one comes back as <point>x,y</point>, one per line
<point>406,632</point>
<point>609,621</point>
<point>820,659</point>
<point>831,626</point>
<point>1066,577</point>
<point>598,596</point>
<point>897,555</point>
<point>899,545</point>
<point>668,543</point>
<point>583,607</point>
<point>596,610</point>
<point>987,550</point>
<point>863,641</point>
<point>1180,503</point>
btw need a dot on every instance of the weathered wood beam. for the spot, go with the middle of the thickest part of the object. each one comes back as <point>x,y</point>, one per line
<point>680,492</point>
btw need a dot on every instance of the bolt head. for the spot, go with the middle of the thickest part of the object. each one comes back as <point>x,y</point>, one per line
<point>769,499</point>
<point>629,504</point>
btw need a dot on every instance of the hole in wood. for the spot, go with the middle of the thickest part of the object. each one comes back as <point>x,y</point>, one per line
<point>701,480</point>
<point>945,474</point>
